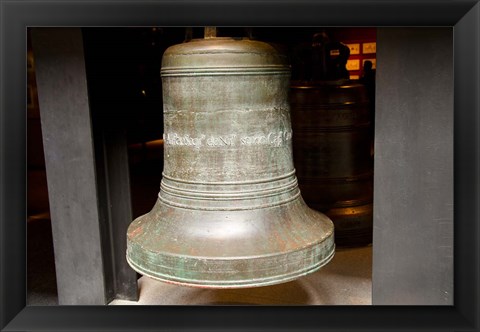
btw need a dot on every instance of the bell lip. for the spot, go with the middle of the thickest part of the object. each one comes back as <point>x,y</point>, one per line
<point>327,236</point>
<point>239,283</point>
<point>211,270</point>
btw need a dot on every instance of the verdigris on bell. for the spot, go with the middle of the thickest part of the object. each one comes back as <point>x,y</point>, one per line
<point>229,213</point>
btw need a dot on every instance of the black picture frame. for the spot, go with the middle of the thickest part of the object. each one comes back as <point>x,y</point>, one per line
<point>16,16</point>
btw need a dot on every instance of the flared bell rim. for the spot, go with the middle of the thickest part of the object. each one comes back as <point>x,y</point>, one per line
<point>285,249</point>
<point>235,283</point>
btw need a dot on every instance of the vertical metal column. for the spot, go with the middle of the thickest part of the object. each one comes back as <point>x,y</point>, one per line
<point>81,200</point>
<point>113,186</point>
<point>413,174</point>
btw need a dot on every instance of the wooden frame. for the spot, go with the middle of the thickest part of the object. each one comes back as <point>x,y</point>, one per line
<point>465,16</point>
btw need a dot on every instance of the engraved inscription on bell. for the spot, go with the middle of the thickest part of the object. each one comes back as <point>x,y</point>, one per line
<point>274,139</point>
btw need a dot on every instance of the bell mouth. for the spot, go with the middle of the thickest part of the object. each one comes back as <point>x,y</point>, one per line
<point>223,277</point>
<point>249,248</point>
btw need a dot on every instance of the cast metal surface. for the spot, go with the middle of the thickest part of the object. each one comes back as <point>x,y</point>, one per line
<point>332,153</point>
<point>229,213</point>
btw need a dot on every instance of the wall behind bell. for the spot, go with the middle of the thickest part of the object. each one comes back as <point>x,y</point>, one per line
<point>362,44</point>
<point>361,40</point>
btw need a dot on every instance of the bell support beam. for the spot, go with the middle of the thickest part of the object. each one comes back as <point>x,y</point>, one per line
<point>413,174</point>
<point>83,215</point>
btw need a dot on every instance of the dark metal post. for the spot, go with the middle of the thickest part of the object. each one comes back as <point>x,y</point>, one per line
<point>116,211</point>
<point>84,220</point>
<point>413,174</point>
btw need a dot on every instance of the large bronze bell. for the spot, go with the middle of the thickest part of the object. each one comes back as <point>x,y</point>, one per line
<point>229,213</point>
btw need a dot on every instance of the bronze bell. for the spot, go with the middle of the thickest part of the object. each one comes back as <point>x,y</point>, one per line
<point>332,121</point>
<point>229,213</point>
<point>331,149</point>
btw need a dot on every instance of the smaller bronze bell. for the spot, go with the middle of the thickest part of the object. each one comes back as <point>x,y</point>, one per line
<point>229,213</point>
<point>331,119</point>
